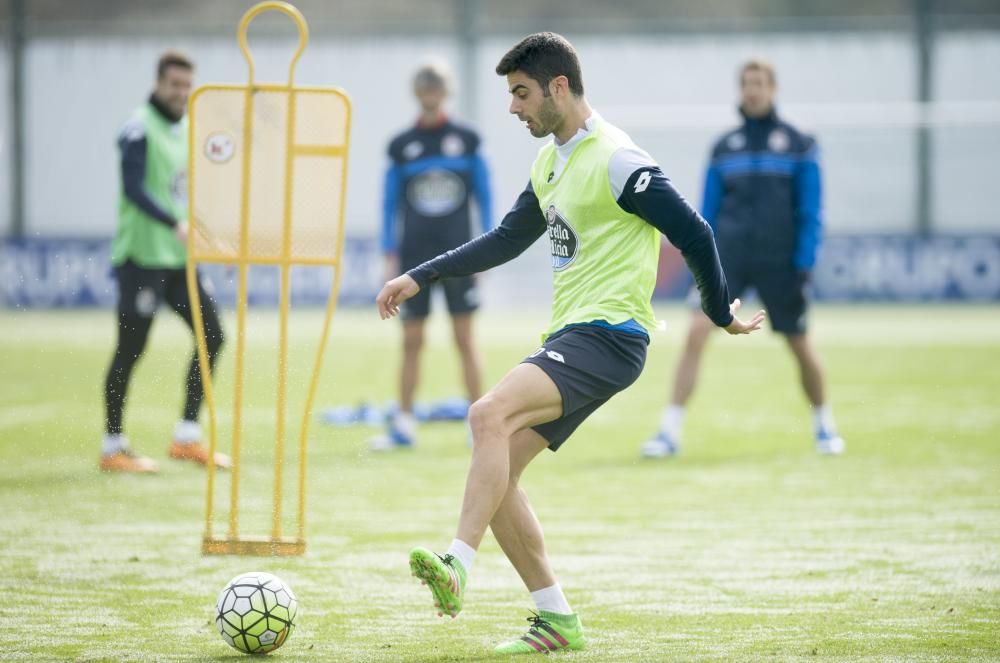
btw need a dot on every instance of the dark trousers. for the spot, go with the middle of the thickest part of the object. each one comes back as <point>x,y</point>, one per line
<point>140,293</point>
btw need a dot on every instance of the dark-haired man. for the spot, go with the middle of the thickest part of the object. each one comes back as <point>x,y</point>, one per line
<point>603,203</point>
<point>149,255</point>
<point>762,197</point>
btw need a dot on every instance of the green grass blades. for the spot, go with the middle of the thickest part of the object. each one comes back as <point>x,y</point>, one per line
<point>746,547</point>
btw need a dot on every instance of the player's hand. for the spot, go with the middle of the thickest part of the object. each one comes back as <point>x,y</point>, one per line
<point>394,293</point>
<point>737,326</point>
<point>181,231</point>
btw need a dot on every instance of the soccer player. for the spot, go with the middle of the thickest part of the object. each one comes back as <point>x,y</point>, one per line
<point>603,202</point>
<point>148,254</point>
<point>435,171</point>
<point>762,197</point>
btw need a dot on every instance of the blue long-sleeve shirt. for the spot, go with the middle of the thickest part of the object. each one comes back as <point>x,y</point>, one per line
<point>434,174</point>
<point>763,192</point>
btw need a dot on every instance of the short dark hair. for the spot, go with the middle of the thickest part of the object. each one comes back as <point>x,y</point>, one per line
<point>173,58</point>
<point>544,56</point>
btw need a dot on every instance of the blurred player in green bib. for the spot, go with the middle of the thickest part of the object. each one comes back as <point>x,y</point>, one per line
<point>603,202</point>
<point>149,257</point>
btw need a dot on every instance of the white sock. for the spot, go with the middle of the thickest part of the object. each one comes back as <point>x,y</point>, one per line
<point>405,423</point>
<point>551,599</point>
<point>112,444</point>
<point>823,418</point>
<point>672,419</point>
<point>187,432</point>
<point>463,552</point>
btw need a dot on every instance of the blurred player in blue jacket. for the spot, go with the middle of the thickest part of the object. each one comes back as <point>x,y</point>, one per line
<point>435,171</point>
<point>762,199</point>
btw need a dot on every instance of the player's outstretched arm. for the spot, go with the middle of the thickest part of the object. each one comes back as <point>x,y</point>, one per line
<point>737,326</point>
<point>394,293</point>
<point>519,229</point>
<point>642,189</point>
<point>522,225</point>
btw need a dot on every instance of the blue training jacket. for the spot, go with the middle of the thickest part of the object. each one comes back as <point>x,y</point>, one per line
<point>762,193</point>
<point>434,173</point>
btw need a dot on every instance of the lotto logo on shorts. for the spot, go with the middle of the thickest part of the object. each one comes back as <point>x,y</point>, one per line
<point>551,354</point>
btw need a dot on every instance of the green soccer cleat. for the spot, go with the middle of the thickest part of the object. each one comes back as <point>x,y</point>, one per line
<point>445,576</point>
<point>549,632</point>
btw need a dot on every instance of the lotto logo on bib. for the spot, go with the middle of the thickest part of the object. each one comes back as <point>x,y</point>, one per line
<point>562,238</point>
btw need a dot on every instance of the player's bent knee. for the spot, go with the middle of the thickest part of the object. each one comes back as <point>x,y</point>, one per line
<point>486,418</point>
<point>480,415</point>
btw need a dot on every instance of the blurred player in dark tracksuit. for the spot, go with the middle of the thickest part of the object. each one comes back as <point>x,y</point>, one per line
<point>762,198</point>
<point>435,171</point>
<point>149,256</point>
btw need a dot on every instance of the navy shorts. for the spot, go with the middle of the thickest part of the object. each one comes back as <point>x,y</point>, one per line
<point>589,365</point>
<point>780,287</point>
<point>460,293</point>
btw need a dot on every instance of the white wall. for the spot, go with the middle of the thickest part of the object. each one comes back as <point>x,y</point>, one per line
<point>967,67</point>
<point>628,73</point>
<point>80,91</point>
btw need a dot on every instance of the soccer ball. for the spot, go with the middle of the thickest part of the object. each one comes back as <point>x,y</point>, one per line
<point>256,612</point>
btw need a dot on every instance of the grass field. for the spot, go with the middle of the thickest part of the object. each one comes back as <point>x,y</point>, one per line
<point>748,547</point>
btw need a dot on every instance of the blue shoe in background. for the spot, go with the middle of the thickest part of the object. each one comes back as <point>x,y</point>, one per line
<point>391,440</point>
<point>661,445</point>
<point>829,443</point>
